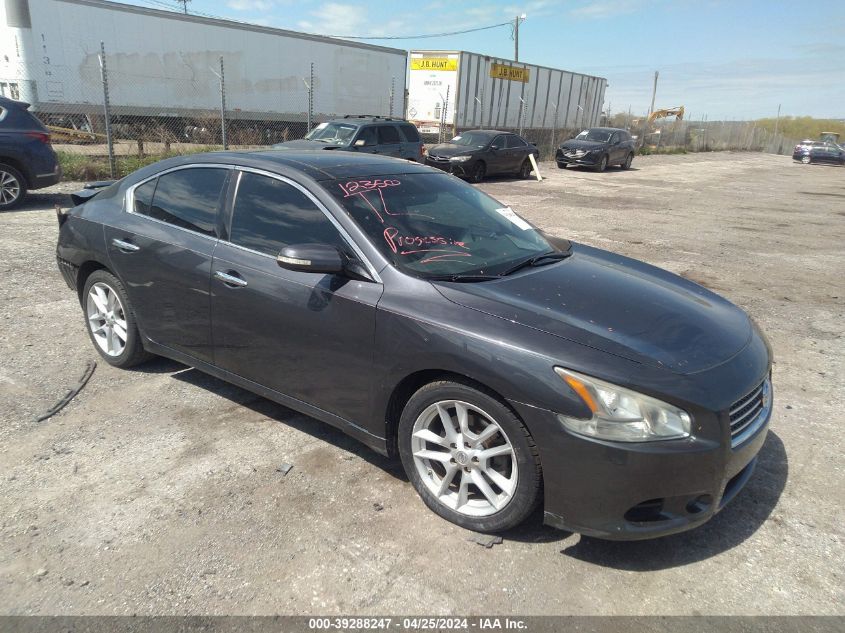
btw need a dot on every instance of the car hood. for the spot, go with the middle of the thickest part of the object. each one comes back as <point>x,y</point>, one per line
<point>449,150</point>
<point>618,305</point>
<point>306,144</point>
<point>576,144</point>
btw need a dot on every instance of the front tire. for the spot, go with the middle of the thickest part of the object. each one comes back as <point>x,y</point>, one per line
<point>110,321</point>
<point>806,160</point>
<point>12,187</point>
<point>602,164</point>
<point>525,170</point>
<point>469,457</point>
<point>478,172</point>
<point>628,160</point>
<point>561,165</point>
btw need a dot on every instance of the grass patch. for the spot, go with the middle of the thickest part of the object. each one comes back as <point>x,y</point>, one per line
<point>90,168</point>
<point>649,151</point>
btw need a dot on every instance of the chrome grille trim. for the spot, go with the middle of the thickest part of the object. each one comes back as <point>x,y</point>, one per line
<point>750,412</point>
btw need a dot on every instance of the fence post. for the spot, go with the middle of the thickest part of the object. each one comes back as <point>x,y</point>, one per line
<point>311,97</point>
<point>223,105</point>
<point>106,108</point>
<point>554,129</point>
<point>392,92</point>
<point>441,134</point>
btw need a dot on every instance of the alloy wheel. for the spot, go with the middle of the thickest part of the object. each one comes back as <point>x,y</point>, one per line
<point>106,319</point>
<point>10,188</point>
<point>464,458</point>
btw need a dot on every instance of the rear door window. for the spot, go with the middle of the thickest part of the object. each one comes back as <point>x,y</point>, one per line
<point>187,198</point>
<point>410,133</point>
<point>513,141</point>
<point>270,214</point>
<point>388,135</point>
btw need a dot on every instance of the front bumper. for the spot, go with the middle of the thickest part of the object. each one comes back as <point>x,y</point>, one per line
<point>628,491</point>
<point>587,160</point>
<point>456,168</point>
<point>639,490</point>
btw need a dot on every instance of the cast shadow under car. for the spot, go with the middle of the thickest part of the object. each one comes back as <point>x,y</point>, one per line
<point>280,413</point>
<point>737,522</point>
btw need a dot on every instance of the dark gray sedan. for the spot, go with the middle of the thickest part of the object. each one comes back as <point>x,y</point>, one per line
<point>478,153</point>
<point>504,367</point>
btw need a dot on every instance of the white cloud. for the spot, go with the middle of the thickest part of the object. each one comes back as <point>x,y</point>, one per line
<point>250,5</point>
<point>334,18</point>
<point>599,9</point>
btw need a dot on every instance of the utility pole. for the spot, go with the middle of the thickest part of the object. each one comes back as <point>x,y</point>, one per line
<point>184,5</point>
<point>654,91</point>
<point>516,22</point>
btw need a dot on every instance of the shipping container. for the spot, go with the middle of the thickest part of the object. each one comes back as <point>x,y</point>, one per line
<point>167,64</point>
<point>460,91</point>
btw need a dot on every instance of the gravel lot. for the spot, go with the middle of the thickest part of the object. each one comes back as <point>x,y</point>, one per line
<point>158,490</point>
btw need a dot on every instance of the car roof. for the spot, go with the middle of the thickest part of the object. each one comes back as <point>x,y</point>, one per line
<point>488,132</point>
<point>366,118</point>
<point>607,129</point>
<point>318,164</point>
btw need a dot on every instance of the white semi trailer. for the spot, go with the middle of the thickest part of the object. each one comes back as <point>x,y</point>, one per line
<point>166,64</point>
<point>480,91</point>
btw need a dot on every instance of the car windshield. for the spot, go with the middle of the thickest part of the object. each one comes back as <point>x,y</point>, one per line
<point>469,139</point>
<point>431,225</point>
<point>600,136</point>
<point>340,133</point>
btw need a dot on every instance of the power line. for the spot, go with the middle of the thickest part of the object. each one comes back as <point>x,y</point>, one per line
<point>509,23</point>
<point>421,37</point>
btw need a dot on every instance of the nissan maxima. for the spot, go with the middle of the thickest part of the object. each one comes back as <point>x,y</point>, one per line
<point>503,366</point>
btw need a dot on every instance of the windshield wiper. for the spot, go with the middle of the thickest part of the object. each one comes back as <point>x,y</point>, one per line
<point>538,260</point>
<point>462,278</point>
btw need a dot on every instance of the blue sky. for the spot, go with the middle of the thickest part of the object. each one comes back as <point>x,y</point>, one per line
<point>728,59</point>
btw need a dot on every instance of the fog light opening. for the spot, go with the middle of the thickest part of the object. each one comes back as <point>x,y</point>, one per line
<point>699,504</point>
<point>646,512</point>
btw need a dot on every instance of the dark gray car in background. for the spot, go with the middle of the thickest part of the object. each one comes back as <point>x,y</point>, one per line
<point>503,366</point>
<point>365,134</point>
<point>597,148</point>
<point>475,154</point>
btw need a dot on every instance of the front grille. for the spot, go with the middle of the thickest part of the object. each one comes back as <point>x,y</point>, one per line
<point>748,409</point>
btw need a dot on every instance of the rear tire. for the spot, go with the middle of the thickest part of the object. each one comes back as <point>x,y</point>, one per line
<point>12,187</point>
<point>484,472</point>
<point>110,321</point>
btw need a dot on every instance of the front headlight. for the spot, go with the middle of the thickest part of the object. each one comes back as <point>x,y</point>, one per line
<point>622,415</point>
<point>459,159</point>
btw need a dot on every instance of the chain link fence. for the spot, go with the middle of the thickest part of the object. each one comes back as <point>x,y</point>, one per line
<point>114,113</point>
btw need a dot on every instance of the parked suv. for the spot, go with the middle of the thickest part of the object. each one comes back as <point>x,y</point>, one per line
<point>27,161</point>
<point>364,133</point>
<point>598,148</point>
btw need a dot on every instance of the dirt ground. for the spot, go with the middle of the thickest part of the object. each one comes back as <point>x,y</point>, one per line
<point>159,490</point>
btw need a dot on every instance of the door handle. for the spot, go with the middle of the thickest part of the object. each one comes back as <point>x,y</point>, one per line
<point>126,247</point>
<point>230,280</point>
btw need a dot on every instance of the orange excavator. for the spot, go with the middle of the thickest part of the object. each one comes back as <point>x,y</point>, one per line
<point>651,136</point>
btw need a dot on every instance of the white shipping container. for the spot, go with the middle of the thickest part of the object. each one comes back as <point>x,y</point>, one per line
<point>164,63</point>
<point>492,92</point>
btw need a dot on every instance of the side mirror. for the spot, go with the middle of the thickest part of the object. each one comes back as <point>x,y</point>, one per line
<point>360,143</point>
<point>311,258</point>
<point>494,147</point>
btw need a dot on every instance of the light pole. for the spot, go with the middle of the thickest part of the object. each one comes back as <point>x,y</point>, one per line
<point>516,22</point>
